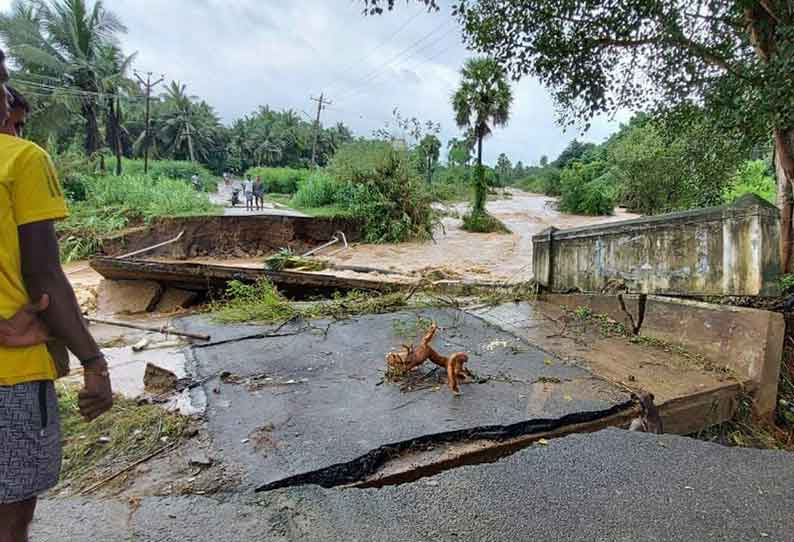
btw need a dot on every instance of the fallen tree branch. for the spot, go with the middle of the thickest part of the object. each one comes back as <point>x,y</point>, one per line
<point>164,329</point>
<point>128,468</point>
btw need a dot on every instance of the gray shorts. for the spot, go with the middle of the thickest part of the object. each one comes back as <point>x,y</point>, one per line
<point>30,440</point>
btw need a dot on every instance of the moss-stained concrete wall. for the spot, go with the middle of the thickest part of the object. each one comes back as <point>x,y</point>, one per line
<point>728,250</point>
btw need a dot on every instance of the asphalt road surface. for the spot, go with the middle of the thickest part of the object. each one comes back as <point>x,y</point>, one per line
<point>609,486</point>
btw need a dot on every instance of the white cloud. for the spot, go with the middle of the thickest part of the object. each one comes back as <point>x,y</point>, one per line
<point>240,54</point>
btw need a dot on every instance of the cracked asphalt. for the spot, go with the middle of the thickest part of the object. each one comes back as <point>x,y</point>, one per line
<point>607,486</point>
<point>318,398</point>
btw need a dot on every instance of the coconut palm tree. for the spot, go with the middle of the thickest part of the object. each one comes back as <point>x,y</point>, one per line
<point>58,44</point>
<point>481,102</point>
<point>186,127</point>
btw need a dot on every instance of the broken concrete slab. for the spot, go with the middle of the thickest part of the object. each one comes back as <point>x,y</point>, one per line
<point>203,277</point>
<point>174,299</point>
<point>320,398</point>
<point>749,341</point>
<point>690,396</point>
<point>610,485</point>
<point>127,296</point>
<point>157,380</point>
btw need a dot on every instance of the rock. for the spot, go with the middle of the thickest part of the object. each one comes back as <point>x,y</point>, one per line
<point>157,380</point>
<point>174,299</point>
<point>199,459</point>
<point>141,345</point>
<point>127,296</point>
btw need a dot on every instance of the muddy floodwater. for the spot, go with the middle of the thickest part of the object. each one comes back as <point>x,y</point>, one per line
<point>506,257</point>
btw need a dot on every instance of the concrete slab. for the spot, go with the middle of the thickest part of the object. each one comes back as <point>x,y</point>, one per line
<point>127,296</point>
<point>302,403</point>
<point>607,486</point>
<point>691,396</point>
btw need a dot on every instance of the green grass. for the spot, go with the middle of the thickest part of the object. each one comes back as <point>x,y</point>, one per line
<point>262,302</point>
<point>112,203</point>
<point>134,431</point>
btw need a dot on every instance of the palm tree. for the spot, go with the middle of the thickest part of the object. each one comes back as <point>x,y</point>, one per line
<point>60,43</point>
<point>483,100</point>
<point>186,128</point>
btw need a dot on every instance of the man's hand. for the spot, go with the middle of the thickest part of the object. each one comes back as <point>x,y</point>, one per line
<point>96,397</point>
<point>25,328</point>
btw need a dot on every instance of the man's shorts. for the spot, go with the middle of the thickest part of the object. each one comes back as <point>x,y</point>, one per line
<point>30,441</point>
<point>249,196</point>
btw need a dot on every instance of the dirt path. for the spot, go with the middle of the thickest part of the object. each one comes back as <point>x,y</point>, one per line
<point>476,255</point>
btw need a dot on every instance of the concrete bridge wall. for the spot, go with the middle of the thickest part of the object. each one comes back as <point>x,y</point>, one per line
<point>727,250</point>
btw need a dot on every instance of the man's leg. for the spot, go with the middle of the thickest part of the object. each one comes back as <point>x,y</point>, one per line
<point>15,519</point>
<point>30,453</point>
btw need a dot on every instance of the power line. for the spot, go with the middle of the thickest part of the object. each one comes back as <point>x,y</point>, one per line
<point>380,46</point>
<point>375,72</point>
<point>361,88</point>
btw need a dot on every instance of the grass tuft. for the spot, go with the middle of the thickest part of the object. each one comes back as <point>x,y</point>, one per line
<point>483,223</point>
<point>125,434</point>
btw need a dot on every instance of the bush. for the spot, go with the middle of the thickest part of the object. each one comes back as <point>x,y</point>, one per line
<point>753,177</point>
<point>318,191</point>
<point>451,184</point>
<point>587,190</point>
<point>379,185</point>
<point>483,223</point>
<point>171,169</point>
<point>280,180</point>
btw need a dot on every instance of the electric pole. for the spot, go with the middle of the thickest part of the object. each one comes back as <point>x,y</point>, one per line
<point>148,85</point>
<point>321,103</point>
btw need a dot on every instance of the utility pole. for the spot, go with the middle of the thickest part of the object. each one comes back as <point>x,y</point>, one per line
<point>148,85</point>
<point>321,103</point>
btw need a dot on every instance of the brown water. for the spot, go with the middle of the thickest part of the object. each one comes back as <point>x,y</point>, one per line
<point>476,255</point>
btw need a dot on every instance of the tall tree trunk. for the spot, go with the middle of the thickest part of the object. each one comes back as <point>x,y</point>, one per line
<point>480,191</point>
<point>91,126</point>
<point>784,169</point>
<point>190,144</point>
<point>117,135</point>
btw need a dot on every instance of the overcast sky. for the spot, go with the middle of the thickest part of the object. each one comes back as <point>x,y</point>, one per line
<point>239,54</point>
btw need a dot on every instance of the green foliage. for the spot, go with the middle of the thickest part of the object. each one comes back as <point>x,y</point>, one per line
<point>575,151</point>
<point>452,184</point>
<point>172,169</point>
<point>253,302</point>
<point>753,177</point>
<point>110,203</point>
<point>427,153</point>
<point>483,223</point>
<point>280,180</point>
<point>144,197</point>
<point>379,185</point>
<point>286,259</point>
<point>262,302</point>
<point>787,283</point>
<point>319,190</point>
<point>586,190</point>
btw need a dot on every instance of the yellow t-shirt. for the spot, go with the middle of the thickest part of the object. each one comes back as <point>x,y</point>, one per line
<point>29,192</point>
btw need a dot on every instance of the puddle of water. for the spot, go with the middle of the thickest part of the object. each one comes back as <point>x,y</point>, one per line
<point>128,367</point>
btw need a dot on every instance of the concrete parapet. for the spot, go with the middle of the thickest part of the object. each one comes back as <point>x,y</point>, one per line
<point>727,250</point>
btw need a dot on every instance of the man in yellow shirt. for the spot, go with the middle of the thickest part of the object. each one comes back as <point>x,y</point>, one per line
<point>31,200</point>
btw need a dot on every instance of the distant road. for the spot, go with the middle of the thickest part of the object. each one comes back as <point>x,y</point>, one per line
<point>223,197</point>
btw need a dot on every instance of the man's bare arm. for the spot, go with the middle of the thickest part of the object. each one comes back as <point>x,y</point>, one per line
<point>42,273</point>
